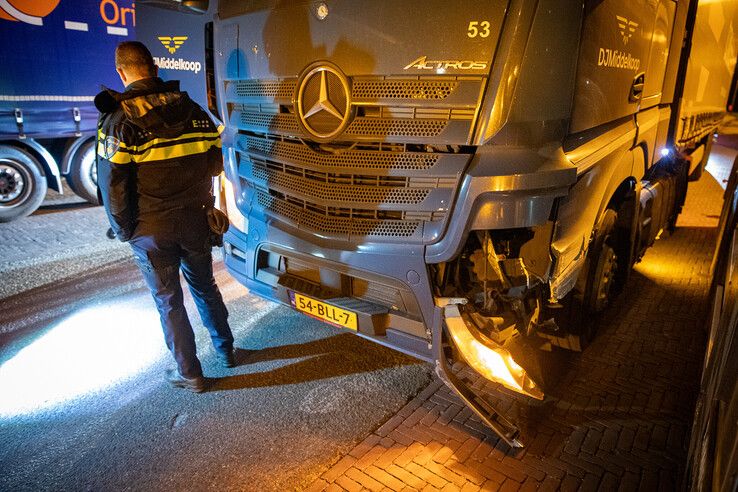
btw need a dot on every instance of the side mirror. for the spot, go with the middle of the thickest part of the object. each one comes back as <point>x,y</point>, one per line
<point>186,6</point>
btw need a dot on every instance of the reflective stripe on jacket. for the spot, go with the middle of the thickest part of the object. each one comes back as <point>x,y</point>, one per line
<point>158,151</point>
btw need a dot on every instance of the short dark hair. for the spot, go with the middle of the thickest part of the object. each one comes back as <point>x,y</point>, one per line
<point>135,56</point>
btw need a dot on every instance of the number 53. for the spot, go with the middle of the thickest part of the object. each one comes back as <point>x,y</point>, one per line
<point>477,28</point>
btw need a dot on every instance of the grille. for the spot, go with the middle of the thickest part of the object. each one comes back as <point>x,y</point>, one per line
<point>402,128</point>
<point>337,187</point>
<point>382,294</point>
<point>338,222</point>
<point>402,89</point>
<point>361,89</point>
<point>391,174</point>
<point>328,195</point>
<point>274,122</point>
<point>295,152</point>
<point>283,89</point>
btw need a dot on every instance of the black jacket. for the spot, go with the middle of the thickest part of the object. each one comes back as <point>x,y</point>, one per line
<point>157,152</point>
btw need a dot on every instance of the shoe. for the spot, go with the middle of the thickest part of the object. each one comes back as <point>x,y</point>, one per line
<point>176,380</point>
<point>227,359</point>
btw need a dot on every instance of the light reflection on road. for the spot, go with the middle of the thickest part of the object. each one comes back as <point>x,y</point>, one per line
<point>88,351</point>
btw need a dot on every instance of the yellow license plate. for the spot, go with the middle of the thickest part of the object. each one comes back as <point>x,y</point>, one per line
<point>324,312</point>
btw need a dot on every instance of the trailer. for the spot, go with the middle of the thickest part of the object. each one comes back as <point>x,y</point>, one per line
<point>54,57</point>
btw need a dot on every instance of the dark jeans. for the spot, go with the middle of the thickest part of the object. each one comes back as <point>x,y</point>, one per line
<point>160,258</point>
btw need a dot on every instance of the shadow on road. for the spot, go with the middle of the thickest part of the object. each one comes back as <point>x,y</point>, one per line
<point>338,355</point>
<point>53,208</point>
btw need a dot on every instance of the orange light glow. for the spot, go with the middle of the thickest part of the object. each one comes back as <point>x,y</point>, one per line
<point>490,360</point>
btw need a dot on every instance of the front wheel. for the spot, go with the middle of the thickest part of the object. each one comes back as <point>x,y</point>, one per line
<point>82,177</point>
<point>22,184</point>
<point>603,265</point>
<point>600,274</point>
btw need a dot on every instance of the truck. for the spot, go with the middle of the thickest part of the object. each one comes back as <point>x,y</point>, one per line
<point>469,185</point>
<point>54,57</point>
<point>177,43</point>
<point>712,463</point>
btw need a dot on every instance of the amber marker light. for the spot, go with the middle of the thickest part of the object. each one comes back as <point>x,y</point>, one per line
<point>489,359</point>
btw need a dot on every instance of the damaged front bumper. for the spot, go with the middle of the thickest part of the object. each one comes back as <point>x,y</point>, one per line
<point>487,358</point>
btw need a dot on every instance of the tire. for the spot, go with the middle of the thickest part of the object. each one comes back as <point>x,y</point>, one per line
<point>22,184</point>
<point>82,177</point>
<point>601,277</point>
<point>603,265</point>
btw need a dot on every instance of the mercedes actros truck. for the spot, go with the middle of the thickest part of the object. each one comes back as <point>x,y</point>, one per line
<point>465,182</point>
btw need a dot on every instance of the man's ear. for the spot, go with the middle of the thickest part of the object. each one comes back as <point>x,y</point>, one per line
<point>122,75</point>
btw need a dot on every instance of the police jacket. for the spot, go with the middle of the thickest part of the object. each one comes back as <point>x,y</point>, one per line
<point>157,152</point>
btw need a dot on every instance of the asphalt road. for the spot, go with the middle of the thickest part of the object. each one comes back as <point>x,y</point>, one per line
<point>84,405</point>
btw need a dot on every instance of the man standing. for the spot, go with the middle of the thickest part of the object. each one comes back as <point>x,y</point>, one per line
<point>157,152</point>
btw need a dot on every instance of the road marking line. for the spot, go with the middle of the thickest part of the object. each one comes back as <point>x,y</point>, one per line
<point>75,26</point>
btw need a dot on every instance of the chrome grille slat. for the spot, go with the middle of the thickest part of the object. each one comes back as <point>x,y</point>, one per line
<point>396,127</point>
<point>335,226</point>
<point>283,151</point>
<point>273,122</point>
<point>362,88</point>
<point>274,89</point>
<point>332,190</point>
<point>286,123</point>
<point>403,89</point>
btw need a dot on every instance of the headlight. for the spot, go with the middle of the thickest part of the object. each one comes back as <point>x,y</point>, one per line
<point>234,215</point>
<point>488,358</point>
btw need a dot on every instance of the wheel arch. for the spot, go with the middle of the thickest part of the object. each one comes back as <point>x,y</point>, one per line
<point>623,198</point>
<point>621,193</point>
<point>71,150</point>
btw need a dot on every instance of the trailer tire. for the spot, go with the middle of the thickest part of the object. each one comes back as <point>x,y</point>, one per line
<point>82,177</point>
<point>22,184</point>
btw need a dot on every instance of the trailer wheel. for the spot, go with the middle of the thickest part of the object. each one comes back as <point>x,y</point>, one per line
<point>82,177</point>
<point>22,184</point>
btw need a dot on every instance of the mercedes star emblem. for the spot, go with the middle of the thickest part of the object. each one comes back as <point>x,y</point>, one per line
<point>323,101</point>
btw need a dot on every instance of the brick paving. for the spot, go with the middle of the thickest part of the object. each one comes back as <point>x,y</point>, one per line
<point>63,222</point>
<point>64,238</point>
<point>618,417</point>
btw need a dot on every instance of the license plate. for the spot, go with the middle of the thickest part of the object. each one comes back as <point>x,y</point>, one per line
<point>324,312</point>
